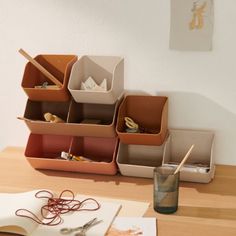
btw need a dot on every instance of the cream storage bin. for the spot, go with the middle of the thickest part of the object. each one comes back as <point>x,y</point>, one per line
<point>139,160</point>
<point>177,145</point>
<point>99,68</point>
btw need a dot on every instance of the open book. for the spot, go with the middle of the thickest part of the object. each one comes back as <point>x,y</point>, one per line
<point>11,202</point>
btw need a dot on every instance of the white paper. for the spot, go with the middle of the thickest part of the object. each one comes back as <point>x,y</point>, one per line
<point>109,209</point>
<point>129,208</point>
<point>106,213</point>
<point>10,202</point>
<point>133,226</point>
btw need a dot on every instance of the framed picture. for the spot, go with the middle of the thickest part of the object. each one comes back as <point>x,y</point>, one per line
<point>191,25</point>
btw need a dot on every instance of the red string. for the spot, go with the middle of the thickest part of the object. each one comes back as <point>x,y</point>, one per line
<point>55,207</point>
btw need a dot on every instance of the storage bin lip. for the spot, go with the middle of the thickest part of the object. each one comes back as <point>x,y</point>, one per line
<point>74,57</point>
<point>135,165</point>
<point>138,134</point>
<point>92,125</point>
<point>91,56</point>
<point>142,145</point>
<point>192,130</point>
<point>54,160</point>
<point>69,123</point>
<point>142,96</point>
<point>92,91</point>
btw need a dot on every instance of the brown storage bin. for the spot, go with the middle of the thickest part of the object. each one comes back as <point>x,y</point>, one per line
<point>43,152</point>
<point>139,160</point>
<point>73,113</point>
<point>98,67</point>
<point>177,145</point>
<point>35,121</point>
<point>59,66</point>
<point>105,114</point>
<point>149,112</point>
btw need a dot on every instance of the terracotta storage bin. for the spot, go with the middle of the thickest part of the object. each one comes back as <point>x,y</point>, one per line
<point>59,66</point>
<point>43,152</point>
<point>139,160</point>
<point>149,112</point>
<point>177,145</point>
<point>98,67</point>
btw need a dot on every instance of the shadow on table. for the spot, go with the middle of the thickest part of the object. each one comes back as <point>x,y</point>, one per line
<point>207,212</point>
<point>219,185</point>
<point>117,179</point>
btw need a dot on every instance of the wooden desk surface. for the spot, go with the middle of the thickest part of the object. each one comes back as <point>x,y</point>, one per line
<point>204,209</point>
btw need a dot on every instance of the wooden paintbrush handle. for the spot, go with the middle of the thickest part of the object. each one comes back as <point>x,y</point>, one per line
<point>184,159</point>
<point>41,68</point>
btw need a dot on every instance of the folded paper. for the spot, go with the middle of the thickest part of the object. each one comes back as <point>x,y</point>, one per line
<point>90,84</point>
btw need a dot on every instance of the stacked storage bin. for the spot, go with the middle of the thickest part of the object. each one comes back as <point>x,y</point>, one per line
<point>202,156</point>
<point>137,153</point>
<point>140,152</point>
<point>97,142</point>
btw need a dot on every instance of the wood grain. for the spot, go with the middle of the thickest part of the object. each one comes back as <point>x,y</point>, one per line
<point>204,209</point>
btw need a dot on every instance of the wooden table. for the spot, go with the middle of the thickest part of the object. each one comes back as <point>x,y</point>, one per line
<point>204,209</point>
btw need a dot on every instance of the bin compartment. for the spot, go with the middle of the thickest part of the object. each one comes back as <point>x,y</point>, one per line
<point>96,120</point>
<point>59,66</point>
<point>44,151</point>
<point>150,113</point>
<point>81,119</point>
<point>177,145</point>
<point>99,68</point>
<point>139,160</point>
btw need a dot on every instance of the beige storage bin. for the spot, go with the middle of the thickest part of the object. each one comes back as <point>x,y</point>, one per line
<point>97,67</point>
<point>177,145</point>
<point>139,160</point>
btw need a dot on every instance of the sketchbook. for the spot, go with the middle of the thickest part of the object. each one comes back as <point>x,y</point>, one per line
<point>9,222</point>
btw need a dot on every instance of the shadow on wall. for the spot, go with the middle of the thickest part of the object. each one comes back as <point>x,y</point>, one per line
<point>194,111</point>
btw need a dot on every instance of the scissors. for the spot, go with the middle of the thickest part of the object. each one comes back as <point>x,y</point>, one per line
<point>81,230</point>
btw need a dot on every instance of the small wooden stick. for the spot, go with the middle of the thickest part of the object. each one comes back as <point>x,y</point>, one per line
<point>41,68</point>
<point>184,159</point>
<point>23,118</point>
<point>26,119</point>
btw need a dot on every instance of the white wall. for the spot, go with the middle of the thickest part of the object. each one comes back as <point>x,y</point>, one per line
<point>201,85</point>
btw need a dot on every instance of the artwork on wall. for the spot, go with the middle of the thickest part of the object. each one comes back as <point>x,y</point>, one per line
<point>191,25</point>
